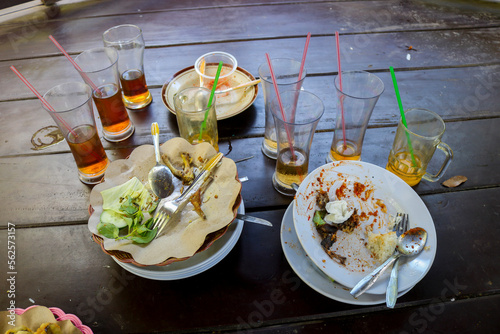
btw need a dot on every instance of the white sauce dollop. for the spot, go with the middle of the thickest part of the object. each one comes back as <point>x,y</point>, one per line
<point>338,212</point>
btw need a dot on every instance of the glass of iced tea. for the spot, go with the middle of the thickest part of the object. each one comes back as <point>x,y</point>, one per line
<point>98,67</point>
<point>127,40</point>
<point>73,114</point>
<point>415,144</point>
<point>197,122</point>
<point>357,95</point>
<point>295,126</point>
<point>286,72</point>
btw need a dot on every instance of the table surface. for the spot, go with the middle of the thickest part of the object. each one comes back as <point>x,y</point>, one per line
<point>446,55</point>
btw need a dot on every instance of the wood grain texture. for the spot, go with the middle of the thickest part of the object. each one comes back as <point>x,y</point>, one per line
<point>452,68</point>
<point>253,275</point>
<point>55,195</point>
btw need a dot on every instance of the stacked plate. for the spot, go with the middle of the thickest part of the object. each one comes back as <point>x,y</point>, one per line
<point>301,241</point>
<point>196,264</point>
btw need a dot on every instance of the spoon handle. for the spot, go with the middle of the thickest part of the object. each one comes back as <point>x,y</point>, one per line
<point>155,132</point>
<point>392,288</point>
<point>370,279</point>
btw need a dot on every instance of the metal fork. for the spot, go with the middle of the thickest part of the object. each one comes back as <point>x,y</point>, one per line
<point>370,279</point>
<point>168,210</point>
<point>392,288</point>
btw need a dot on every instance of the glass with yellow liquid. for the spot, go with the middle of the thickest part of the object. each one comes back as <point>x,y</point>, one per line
<point>415,144</point>
<point>295,126</point>
<point>287,72</point>
<point>357,95</point>
<point>128,41</point>
<point>197,122</point>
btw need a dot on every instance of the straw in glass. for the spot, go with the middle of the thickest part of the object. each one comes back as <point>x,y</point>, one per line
<point>304,54</point>
<point>401,110</point>
<point>85,77</point>
<point>301,70</point>
<point>49,107</point>
<point>40,97</point>
<point>278,97</point>
<point>341,90</point>
<point>209,105</point>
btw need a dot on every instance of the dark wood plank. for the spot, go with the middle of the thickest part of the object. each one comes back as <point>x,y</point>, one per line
<point>288,19</point>
<point>71,272</point>
<point>372,52</point>
<point>468,93</point>
<point>55,195</point>
<point>465,316</point>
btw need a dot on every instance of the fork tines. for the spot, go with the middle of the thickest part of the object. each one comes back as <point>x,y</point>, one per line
<point>403,224</point>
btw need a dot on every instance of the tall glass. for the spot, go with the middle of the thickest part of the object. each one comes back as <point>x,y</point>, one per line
<point>197,123</point>
<point>356,98</point>
<point>98,69</point>
<point>294,133</point>
<point>286,72</point>
<point>128,41</point>
<point>415,144</point>
<point>73,115</point>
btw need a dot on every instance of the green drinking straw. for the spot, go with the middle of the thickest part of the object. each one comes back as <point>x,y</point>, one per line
<point>401,110</point>
<point>204,124</point>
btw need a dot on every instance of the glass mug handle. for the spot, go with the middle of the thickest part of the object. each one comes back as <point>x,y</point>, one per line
<point>449,156</point>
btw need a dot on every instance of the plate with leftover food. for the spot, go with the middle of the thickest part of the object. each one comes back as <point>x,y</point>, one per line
<point>123,205</point>
<point>196,264</point>
<point>344,215</point>
<point>227,104</point>
<point>312,275</point>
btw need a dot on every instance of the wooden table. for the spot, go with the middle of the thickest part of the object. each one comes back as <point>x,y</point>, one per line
<point>446,56</point>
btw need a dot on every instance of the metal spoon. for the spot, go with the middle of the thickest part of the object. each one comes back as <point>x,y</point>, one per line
<point>160,177</point>
<point>410,243</point>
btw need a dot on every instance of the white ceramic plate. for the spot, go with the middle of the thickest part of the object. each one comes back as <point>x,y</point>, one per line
<point>198,263</point>
<point>311,275</point>
<point>398,197</point>
<point>226,104</point>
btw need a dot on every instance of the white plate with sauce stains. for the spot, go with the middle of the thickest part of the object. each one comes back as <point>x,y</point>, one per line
<point>310,273</point>
<point>381,191</point>
<point>226,104</point>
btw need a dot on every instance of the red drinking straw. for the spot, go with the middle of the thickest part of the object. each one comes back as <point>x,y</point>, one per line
<point>85,77</point>
<point>49,107</point>
<point>340,84</point>
<point>304,55</point>
<point>278,97</point>
<point>44,102</point>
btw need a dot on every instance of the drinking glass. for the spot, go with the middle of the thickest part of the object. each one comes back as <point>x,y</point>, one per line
<point>98,69</point>
<point>415,144</point>
<point>294,133</point>
<point>127,40</point>
<point>286,72</point>
<point>191,109</point>
<point>206,66</point>
<point>356,97</point>
<point>72,112</point>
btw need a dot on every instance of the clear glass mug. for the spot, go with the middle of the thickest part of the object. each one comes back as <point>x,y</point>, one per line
<point>415,144</point>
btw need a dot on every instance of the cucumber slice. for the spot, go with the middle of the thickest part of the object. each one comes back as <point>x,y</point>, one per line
<point>111,217</point>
